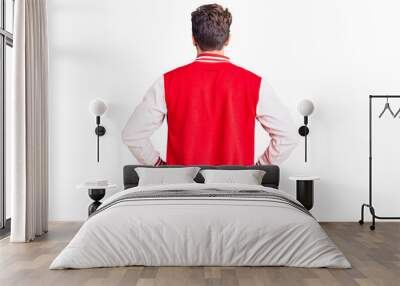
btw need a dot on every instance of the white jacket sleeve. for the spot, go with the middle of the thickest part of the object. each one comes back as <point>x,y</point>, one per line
<point>276,120</point>
<point>147,118</point>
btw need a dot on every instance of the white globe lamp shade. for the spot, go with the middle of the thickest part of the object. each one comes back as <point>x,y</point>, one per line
<point>305,107</point>
<point>97,107</point>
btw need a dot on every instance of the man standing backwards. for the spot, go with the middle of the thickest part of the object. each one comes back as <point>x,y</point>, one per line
<point>211,106</point>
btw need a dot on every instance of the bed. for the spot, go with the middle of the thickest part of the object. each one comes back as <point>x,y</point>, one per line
<point>198,224</point>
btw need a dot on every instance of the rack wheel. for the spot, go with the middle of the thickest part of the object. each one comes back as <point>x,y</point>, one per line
<point>361,222</point>
<point>372,227</point>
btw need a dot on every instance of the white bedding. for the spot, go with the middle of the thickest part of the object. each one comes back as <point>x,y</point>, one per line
<point>200,231</point>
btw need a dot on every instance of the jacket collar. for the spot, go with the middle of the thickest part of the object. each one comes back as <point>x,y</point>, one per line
<point>211,58</point>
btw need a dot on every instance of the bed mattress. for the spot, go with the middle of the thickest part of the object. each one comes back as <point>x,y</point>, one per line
<point>201,225</point>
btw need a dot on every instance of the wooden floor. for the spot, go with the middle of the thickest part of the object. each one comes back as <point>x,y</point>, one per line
<point>375,257</point>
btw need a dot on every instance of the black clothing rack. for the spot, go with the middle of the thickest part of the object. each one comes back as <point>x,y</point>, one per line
<point>370,205</point>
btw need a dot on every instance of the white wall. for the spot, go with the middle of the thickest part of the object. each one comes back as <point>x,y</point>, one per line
<point>332,52</point>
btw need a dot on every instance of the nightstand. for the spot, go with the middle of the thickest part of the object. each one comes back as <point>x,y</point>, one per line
<point>305,190</point>
<point>96,193</point>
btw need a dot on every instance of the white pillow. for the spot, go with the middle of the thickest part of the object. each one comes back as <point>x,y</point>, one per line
<point>248,177</point>
<point>163,176</point>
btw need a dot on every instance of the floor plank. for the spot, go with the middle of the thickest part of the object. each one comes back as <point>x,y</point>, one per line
<point>375,257</point>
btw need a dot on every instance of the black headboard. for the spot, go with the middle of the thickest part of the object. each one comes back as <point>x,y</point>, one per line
<point>271,177</point>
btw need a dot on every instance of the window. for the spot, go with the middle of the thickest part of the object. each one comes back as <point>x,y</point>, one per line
<point>6,44</point>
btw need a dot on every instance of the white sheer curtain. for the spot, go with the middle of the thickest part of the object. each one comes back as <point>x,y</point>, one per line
<point>28,123</point>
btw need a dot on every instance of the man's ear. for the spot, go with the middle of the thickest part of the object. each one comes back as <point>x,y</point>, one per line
<point>194,41</point>
<point>227,40</point>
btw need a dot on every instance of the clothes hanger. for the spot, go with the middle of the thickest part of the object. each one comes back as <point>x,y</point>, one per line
<point>397,113</point>
<point>387,107</point>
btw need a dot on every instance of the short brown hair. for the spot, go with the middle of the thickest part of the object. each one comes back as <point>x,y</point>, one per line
<point>210,26</point>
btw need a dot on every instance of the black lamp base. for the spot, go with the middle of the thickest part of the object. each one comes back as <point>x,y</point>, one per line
<point>304,131</point>
<point>100,130</point>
